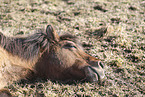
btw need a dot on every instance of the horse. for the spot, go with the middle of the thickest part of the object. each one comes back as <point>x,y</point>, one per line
<point>46,55</point>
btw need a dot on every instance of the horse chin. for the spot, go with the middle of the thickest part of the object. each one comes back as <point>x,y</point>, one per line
<point>95,72</point>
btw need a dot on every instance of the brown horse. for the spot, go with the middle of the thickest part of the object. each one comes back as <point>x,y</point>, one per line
<point>46,55</point>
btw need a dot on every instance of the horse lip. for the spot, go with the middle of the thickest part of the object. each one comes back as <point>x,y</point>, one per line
<point>94,73</point>
<point>98,71</point>
<point>90,75</point>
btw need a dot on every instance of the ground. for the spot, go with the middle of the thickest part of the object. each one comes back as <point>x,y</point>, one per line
<point>112,30</point>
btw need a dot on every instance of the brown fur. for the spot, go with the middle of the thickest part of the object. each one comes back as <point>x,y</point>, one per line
<point>47,55</point>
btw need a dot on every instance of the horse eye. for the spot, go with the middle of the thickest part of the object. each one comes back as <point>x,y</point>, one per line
<point>69,45</point>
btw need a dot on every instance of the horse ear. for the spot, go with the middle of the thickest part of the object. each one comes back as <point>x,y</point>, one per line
<point>52,35</point>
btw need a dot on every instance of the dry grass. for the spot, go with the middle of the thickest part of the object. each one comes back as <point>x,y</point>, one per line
<point>121,46</point>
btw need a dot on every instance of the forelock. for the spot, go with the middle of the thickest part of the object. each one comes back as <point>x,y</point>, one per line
<point>68,37</point>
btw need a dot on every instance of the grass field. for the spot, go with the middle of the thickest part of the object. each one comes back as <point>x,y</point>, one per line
<point>114,30</point>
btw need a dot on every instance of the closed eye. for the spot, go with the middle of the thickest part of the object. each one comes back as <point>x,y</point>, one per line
<point>69,45</point>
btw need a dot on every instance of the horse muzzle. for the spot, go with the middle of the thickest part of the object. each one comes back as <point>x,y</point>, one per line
<point>95,71</point>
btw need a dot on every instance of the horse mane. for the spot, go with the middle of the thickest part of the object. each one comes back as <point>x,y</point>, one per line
<point>25,47</point>
<point>29,47</point>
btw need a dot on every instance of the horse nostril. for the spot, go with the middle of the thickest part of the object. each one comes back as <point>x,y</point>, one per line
<point>101,64</point>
